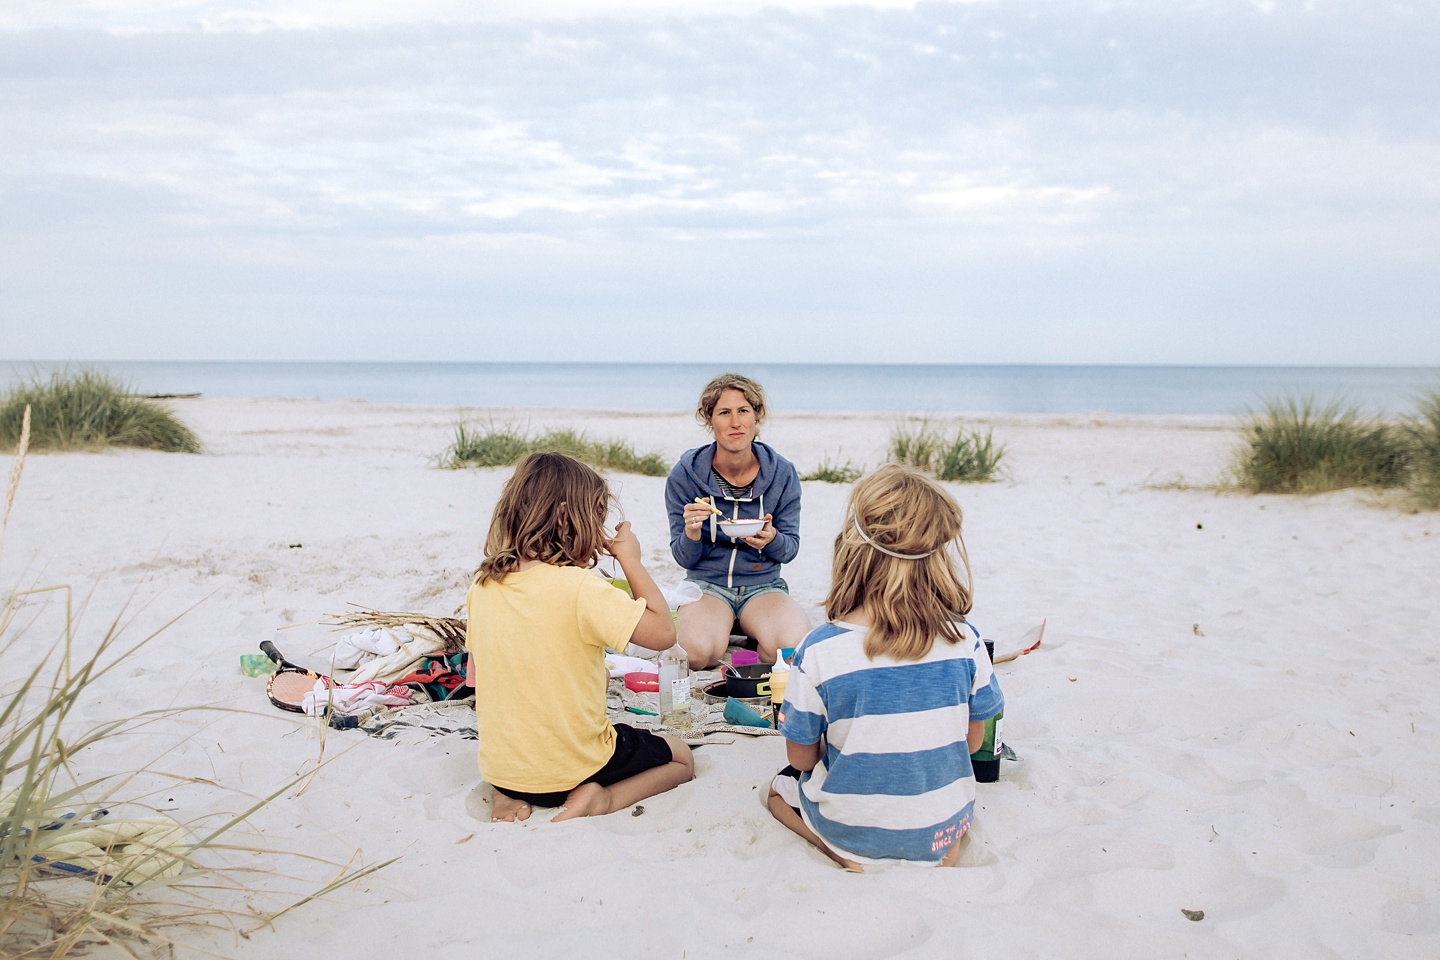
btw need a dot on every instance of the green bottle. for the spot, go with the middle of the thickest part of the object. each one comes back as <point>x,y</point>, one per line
<point>986,760</point>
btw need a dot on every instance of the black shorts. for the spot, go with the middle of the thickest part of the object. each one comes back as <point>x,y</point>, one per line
<point>792,774</point>
<point>635,752</point>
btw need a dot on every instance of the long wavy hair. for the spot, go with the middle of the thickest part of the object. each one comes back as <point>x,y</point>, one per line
<point>552,509</point>
<point>910,601</point>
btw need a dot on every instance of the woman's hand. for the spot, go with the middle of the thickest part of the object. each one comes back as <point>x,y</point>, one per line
<point>766,534</point>
<point>695,516</point>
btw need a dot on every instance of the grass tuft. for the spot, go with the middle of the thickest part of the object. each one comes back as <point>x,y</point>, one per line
<point>1299,446</point>
<point>831,471</point>
<point>79,870</point>
<point>1421,434</point>
<point>89,409</point>
<point>502,446</point>
<point>964,455</point>
<point>87,861</point>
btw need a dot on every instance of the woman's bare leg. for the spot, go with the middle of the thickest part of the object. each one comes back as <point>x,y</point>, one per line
<point>775,621</point>
<point>786,814</point>
<point>705,630</point>
<point>593,800</point>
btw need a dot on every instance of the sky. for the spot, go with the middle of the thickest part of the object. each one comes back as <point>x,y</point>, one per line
<point>998,181</point>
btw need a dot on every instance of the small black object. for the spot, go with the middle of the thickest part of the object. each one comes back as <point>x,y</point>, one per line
<point>747,681</point>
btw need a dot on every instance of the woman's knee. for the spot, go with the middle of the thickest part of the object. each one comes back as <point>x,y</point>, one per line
<point>776,624</point>
<point>702,650</point>
<point>705,630</point>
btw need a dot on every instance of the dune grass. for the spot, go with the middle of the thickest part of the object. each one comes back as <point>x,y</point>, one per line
<point>832,471</point>
<point>85,861</point>
<point>502,445</point>
<point>89,409</point>
<point>1301,446</point>
<point>1421,434</point>
<point>962,455</point>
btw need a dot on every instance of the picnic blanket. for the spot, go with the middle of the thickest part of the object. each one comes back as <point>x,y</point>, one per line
<point>456,718</point>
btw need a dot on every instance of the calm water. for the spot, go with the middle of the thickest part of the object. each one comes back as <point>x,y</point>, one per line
<point>871,387</point>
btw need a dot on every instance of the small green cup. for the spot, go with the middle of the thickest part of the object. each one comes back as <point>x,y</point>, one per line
<point>256,665</point>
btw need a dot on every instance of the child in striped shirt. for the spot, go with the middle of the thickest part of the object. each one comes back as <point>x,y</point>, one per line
<point>886,702</point>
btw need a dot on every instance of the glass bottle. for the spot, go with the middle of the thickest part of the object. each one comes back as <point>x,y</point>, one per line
<point>986,760</point>
<point>675,689</point>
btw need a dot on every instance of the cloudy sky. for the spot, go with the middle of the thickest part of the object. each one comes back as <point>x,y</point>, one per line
<point>1031,181</point>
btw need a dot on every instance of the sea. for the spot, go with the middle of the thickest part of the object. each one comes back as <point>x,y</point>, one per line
<point>910,388</point>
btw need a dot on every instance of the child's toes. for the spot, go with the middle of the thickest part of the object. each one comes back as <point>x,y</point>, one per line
<point>586,800</point>
<point>508,809</point>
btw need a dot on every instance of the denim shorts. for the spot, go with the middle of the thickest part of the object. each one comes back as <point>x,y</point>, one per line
<point>737,597</point>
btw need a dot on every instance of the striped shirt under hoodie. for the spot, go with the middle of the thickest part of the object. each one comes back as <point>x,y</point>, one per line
<point>895,782</point>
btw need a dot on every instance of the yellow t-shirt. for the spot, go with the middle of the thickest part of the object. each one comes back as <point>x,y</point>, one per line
<point>537,642</point>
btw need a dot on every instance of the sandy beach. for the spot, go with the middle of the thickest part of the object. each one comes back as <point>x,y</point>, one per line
<point>1227,713</point>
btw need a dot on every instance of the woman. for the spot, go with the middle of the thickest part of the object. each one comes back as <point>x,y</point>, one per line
<point>743,479</point>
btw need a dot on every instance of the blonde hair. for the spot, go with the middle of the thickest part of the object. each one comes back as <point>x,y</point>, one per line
<point>552,509</point>
<point>710,396</point>
<point>892,560</point>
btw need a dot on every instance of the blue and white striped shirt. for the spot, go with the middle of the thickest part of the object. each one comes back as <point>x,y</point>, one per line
<point>895,782</point>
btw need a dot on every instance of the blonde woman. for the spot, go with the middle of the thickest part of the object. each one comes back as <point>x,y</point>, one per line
<point>886,702</point>
<point>735,477</point>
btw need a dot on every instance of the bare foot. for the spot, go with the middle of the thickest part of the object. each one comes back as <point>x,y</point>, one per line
<point>952,856</point>
<point>508,809</point>
<point>586,800</point>
<point>786,814</point>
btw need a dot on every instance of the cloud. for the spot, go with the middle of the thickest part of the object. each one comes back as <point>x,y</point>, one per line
<point>134,16</point>
<point>926,160</point>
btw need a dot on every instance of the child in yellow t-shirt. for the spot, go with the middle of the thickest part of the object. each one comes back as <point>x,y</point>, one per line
<point>539,623</point>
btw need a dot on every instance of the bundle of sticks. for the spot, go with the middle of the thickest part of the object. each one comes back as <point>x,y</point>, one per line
<point>448,630</point>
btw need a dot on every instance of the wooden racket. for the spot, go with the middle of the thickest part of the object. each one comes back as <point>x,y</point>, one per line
<point>289,684</point>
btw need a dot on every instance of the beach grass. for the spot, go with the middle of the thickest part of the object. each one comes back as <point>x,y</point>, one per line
<point>969,457</point>
<point>1298,445</point>
<point>90,409</point>
<point>502,445</point>
<point>85,862</point>
<point>84,859</point>
<point>960,454</point>
<point>1422,440</point>
<point>833,471</point>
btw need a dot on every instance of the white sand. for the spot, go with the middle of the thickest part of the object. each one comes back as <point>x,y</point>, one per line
<point>1275,766</point>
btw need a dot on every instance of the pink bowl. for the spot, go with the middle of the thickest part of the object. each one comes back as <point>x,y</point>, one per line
<point>742,657</point>
<point>642,682</point>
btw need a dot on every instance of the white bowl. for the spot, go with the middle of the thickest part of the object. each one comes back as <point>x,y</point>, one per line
<point>740,529</point>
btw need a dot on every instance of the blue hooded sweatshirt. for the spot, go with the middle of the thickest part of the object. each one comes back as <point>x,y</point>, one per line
<point>716,558</point>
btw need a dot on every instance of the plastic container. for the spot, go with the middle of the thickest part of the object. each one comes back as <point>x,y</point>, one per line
<point>743,658</point>
<point>642,682</point>
<point>256,665</point>
<point>778,682</point>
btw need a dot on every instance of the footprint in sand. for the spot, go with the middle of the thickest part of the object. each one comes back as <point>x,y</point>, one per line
<point>847,928</point>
